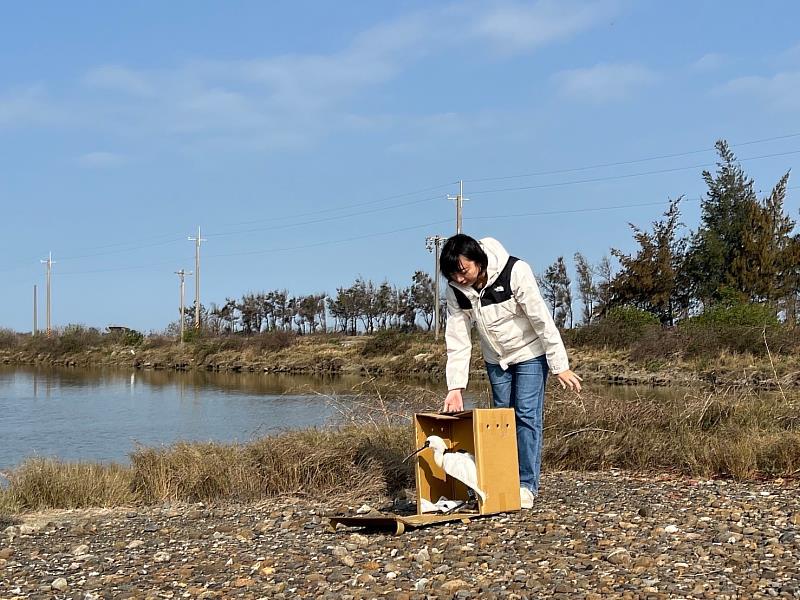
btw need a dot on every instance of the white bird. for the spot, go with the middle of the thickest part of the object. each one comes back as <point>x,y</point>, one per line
<point>458,464</point>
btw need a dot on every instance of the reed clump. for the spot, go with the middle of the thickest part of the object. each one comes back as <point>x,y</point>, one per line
<point>728,433</point>
<point>40,483</point>
<point>342,463</point>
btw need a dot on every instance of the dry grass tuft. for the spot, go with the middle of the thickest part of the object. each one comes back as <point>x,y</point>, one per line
<point>46,483</point>
<point>346,463</point>
<point>728,434</point>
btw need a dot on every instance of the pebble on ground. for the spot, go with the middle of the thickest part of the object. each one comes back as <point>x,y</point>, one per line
<point>589,536</point>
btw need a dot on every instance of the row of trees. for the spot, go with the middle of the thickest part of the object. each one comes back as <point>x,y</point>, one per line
<point>267,311</point>
<point>362,306</point>
<point>745,250</point>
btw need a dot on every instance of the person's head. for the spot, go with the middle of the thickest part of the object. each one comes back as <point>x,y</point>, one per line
<point>462,260</point>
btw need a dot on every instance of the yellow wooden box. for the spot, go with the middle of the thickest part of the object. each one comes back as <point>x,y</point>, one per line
<point>490,435</point>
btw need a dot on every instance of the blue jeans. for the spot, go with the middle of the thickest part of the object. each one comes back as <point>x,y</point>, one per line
<point>521,387</point>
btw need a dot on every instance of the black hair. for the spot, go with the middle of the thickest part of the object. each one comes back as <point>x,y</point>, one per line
<point>461,245</point>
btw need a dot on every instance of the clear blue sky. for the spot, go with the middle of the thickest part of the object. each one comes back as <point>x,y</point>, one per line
<point>298,136</point>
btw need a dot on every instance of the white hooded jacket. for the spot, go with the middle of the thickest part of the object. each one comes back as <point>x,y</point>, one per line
<point>512,319</point>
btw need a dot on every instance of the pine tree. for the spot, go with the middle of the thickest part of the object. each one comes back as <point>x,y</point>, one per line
<point>648,279</point>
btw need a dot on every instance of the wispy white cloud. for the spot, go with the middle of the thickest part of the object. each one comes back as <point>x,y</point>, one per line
<point>522,27</point>
<point>709,62</point>
<point>292,100</point>
<point>100,160</point>
<point>119,79</point>
<point>28,105</point>
<point>779,92</point>
<point>604,82</point>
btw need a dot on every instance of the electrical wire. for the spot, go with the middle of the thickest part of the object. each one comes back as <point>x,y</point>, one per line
<point>406,204</point>
<point>626,176</point>
<point>399,230</point>
<point>628,162</point>
<point>323,219</point>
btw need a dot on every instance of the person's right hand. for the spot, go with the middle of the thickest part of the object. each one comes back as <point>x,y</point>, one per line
<point>453,402</point>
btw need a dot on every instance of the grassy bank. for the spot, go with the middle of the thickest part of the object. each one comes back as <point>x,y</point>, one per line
<point>728,434</point>
<point>626,351</point>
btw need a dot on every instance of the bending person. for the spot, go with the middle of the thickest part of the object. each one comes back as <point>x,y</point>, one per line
<point>498,294</point>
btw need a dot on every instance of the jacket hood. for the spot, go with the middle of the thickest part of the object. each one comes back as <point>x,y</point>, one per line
<point>498,257</point>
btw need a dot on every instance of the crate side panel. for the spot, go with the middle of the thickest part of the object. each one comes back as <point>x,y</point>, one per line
<point>496,457</point>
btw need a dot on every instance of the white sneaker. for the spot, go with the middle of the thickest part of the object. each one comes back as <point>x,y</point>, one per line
<point>526,497</point>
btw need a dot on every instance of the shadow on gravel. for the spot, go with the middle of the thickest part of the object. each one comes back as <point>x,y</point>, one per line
<point>8,520</point>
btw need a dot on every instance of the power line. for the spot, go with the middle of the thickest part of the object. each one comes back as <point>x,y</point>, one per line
<point>114,269</point>
<point>405,204</point>
<point>399,230</point>
<point>575,210</point>
<point>343,207</point>
<point>627,176</point>
<point>430,188</point>
<point>331,242</point>
<point>325,219</point>
<point>176,237</point>
<point>628,162</point>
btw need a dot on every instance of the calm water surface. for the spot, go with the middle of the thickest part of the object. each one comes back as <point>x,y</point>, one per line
<point>101,415</point>
<point>77,414</point>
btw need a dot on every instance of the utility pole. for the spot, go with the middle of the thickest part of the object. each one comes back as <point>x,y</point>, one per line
<point>182,274</point>
<point>197,241</point>
<point>35,312</point>
<point>434,243</point>
<point>49,262</point>
<point>459,204</point>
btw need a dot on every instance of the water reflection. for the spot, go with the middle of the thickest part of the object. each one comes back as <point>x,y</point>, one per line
<point>98,414</point>
<point>101,414</point>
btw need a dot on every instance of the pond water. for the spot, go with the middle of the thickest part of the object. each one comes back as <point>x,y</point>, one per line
<point>101,415</point>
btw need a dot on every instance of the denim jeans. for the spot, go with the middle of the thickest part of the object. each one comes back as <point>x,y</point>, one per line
<point>521,387</point>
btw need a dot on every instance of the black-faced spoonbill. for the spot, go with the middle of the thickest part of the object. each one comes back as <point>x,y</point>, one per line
<point>458,464</point>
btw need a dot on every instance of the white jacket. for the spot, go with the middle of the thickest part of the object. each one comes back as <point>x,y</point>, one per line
<point>512,319</point>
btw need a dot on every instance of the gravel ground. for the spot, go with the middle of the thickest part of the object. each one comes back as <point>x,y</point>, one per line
<point>590,535</point>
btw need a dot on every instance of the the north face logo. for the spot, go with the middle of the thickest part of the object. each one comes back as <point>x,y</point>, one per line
<point>499,288</point>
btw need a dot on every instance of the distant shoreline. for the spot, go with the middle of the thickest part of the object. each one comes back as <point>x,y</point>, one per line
<point>407,355</point>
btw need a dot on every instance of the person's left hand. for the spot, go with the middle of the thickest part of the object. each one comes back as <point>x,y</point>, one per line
<point>568,379</point>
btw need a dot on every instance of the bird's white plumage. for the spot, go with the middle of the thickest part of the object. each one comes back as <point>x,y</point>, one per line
<point>460,465</point>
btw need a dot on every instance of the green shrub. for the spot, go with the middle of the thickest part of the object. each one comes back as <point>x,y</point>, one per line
<point>734,327</point>
<point>126,337</point>
<point>736,315</point>
<point>190,334</point>
<point>132,338</point>
<point>76,338</point>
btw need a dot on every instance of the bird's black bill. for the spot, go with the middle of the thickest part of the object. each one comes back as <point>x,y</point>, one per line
<point>418,450</point>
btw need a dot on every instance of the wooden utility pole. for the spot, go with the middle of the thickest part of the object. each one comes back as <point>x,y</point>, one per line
<point>35,312</point>
<point>434,243</point>
<point>182,274</point>
<point>459,205</point>
<point>49,262</point>
<point>197,241</point>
